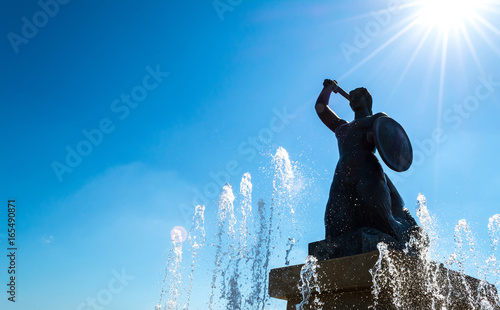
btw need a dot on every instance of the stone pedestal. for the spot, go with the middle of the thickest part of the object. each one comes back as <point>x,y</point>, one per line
<point>355,242</point>
<point>404,282</point>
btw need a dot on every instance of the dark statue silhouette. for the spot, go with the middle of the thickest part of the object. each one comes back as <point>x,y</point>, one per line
<point>364,208</point>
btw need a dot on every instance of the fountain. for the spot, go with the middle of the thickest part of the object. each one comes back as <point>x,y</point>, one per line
<point>230,267</point>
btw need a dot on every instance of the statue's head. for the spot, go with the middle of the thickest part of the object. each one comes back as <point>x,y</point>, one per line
<point>359,98</point>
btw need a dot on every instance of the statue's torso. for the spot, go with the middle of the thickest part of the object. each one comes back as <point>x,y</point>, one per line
<point>357,152</point>
<point>353,137</point>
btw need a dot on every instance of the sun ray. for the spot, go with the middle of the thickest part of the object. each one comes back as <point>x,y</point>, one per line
<point>412,59</point>
<point>372,13</point>
<point>378,50</point>
<point>485,37</point>
<point>444,51</point>
<point>486,23</point>
<point>489,6</point>
<point>442,73</point>
<point>471,48</point>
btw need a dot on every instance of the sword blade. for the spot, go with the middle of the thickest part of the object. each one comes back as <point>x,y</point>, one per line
<point>338,89</point>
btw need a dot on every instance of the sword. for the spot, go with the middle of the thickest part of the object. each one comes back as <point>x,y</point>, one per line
<point>337,89</point>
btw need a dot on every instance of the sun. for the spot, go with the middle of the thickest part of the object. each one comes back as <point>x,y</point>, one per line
<point>446,14</point>
<point>440,23</point>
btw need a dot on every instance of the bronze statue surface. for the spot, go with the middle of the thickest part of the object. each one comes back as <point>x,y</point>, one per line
<point>364,207</point>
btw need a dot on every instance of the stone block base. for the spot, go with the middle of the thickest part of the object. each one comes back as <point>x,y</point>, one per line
<point>404,282</point>
<point>360,241</point>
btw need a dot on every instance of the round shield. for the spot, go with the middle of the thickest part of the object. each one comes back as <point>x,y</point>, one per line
<point>392,144</point>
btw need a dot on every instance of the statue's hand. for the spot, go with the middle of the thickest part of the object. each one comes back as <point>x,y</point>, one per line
<point>327,83</point>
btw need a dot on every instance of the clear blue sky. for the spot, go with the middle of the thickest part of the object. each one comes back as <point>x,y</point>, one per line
<point>202,84</point>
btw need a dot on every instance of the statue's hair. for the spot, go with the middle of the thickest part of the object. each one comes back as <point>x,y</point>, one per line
<point>366,94</point>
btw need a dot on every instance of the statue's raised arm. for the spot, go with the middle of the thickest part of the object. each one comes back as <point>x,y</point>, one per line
<point>327,116</point>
